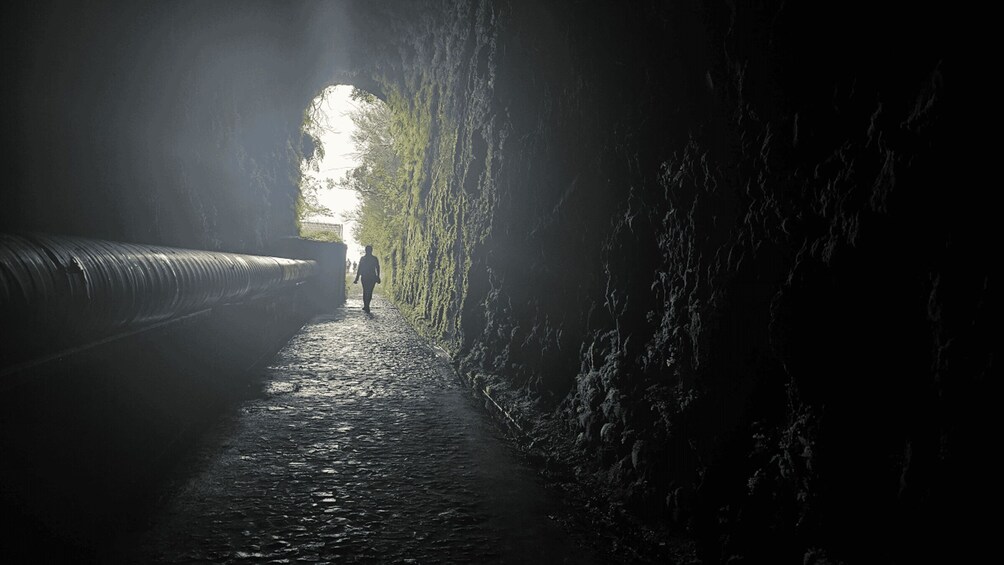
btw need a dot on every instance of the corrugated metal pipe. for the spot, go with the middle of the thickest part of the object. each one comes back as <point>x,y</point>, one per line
<point>57,286</point>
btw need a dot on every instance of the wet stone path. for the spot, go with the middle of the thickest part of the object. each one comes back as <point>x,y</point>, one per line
<point>364,448</point>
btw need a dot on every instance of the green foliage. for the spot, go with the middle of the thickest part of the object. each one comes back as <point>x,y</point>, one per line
<point>423,206</point>
<point>390,148</point>
<point>406,150</point>
<point>313,149</point>
<point>307,203</point>
<point>325,235</point>
<point>363,96</point>
<point>312,153</point>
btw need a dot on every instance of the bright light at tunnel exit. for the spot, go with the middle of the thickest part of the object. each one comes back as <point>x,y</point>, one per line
<point>339,157</point>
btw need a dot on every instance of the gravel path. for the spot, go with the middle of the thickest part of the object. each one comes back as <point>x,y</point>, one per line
<point>364,447</point>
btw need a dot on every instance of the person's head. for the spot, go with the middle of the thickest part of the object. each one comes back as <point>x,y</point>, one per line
<point>369,249</point>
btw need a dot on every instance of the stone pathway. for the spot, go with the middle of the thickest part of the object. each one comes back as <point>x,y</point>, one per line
<point>364,449</point>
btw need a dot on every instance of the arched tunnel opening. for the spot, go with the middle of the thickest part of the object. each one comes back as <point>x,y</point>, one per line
<point>337,123</point>
<point>721,272</point>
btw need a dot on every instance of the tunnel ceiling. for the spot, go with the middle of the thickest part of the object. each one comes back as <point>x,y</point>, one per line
<point>166,122</point>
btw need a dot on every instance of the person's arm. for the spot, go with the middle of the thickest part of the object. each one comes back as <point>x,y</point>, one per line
<point>357,274</point>
<point>377,261</point>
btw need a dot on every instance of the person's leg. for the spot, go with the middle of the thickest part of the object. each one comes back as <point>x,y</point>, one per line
<point>367,295</point>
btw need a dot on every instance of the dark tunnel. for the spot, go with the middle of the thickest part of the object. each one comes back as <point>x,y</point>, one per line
<point>719,274</point>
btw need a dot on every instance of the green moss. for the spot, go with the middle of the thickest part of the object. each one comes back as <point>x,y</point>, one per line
<point>412,206</point>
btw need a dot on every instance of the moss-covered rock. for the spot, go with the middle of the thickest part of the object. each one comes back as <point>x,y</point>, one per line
<point>699,246</point>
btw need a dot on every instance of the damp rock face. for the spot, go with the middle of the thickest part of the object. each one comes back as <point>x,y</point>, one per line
<point>724,260</point>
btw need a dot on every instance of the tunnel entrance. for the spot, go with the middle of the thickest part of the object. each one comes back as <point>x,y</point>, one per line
<point>339,126</point>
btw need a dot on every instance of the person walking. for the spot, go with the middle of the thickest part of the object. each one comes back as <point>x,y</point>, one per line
<point>369,271</point>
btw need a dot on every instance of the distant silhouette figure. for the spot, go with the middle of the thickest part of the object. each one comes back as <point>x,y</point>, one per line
<point>369,271</point>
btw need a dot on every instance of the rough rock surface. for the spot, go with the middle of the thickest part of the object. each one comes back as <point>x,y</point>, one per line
<point>718,259</point>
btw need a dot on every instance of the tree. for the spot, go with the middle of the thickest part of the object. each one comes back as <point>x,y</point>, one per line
<point>378,179</point>
<point>307,202</point>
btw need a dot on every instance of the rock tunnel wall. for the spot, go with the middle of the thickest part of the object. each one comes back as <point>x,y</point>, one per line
<point>724,256</point>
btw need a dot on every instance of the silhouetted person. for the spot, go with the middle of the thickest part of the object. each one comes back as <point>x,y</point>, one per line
<point>369,271</point>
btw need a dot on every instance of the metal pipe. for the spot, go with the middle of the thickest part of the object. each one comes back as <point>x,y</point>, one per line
<point>58,288</point>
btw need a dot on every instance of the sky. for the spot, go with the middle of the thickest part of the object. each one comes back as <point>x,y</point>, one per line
<point>338,158</point>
